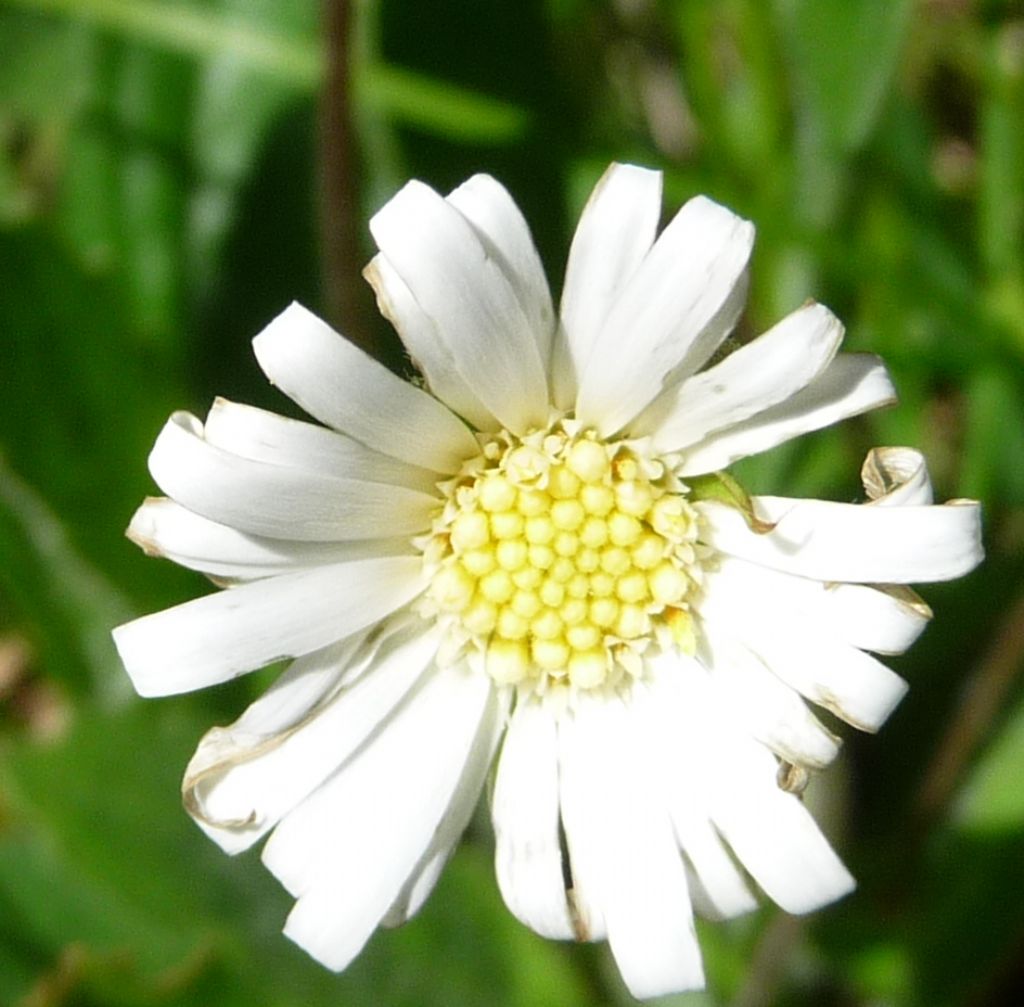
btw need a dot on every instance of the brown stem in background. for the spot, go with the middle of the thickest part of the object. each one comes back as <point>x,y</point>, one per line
<point>982,699</point>
<point>340,209</point>
<point>770,962</point>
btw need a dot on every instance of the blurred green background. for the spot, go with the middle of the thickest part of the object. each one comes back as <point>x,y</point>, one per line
<point>173,174</point>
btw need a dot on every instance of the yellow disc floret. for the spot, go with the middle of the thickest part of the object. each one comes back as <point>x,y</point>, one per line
<point>563,557</point>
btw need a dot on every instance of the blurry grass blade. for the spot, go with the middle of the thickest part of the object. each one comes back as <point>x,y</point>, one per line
<point>194,32</point>
<point>43,66</point>
<point>994,436</point>
<point>429,104</point>
<point>149,97</point>
<point>1001,192</point>
<point>734,83</point>
<point>88,198</point>
<point>846,54</point>
<point>235,112</point>
<point>56,903</point>
<point>93,849</point>
<point>68,600</point>
<point>439,107</point>
<point>1001,202</point>
<point>153,203</point>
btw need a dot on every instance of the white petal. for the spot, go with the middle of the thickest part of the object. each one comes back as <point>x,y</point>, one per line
<point>349,848</point>
<point>769,709</point>
<point>438,254</point>
<point>289,701</point>
<point>278,501</point>
<point>853,685</point>
<point>427,350</point>
<point>831,673</point>
<point>769,830</point>
<point>163,528</point>
<point>750,380</point>
<point>675,729</point>
<point>852,542</point>
<point>503,230</point>
<point>266,437</point>
<point>885,620</point>
<point>625,861</point>
<point>223,635</point>
<point>345,388</point>
<point>719,890</point>
<point>773,834</point>
<point>242,781</point>
<point>615,232</point>
<point>467,794</point>
<point>852,384</point>
<point>302,686</point>
<point>670,316</point>
<point>524,809</point>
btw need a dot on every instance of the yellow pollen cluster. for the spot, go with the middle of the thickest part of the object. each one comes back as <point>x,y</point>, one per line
<point>560,555</point>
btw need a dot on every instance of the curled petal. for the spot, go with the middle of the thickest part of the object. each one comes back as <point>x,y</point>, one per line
<point>896,477</point>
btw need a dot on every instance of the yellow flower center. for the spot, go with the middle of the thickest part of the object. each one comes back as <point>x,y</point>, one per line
<point>559,558</point>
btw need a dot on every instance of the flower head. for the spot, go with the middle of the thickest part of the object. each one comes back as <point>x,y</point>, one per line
<point>535,560</point>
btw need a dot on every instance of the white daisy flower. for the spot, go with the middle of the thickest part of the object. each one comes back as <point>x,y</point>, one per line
<point>534,562</point>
